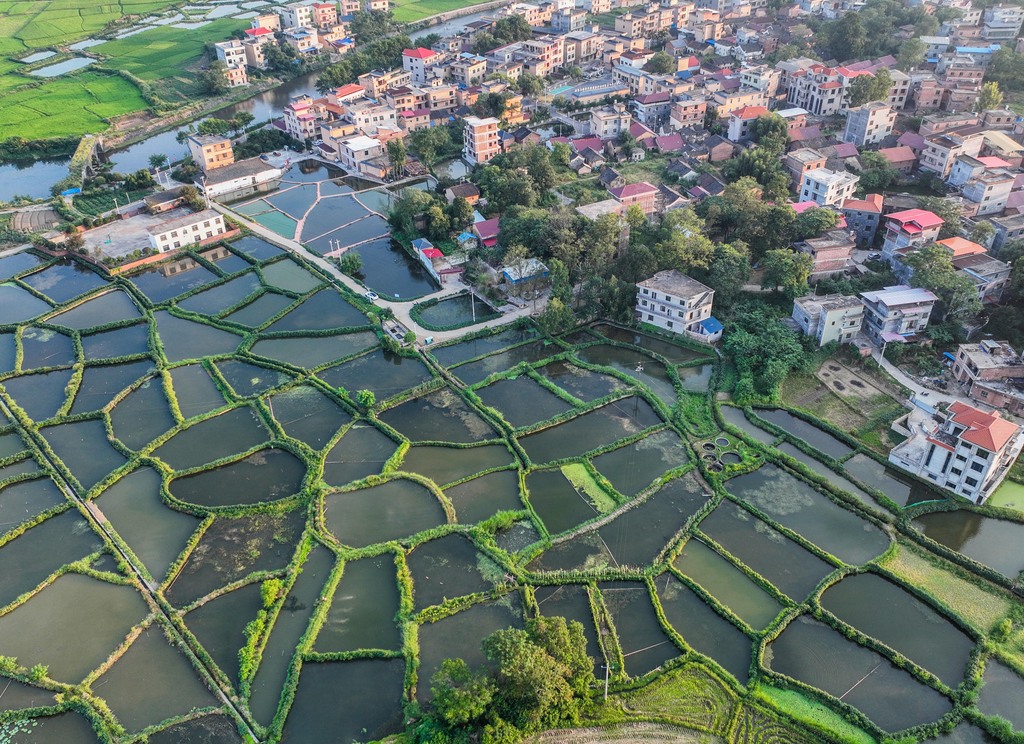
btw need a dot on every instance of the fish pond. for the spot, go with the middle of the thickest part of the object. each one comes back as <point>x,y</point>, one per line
<point>185,461</point>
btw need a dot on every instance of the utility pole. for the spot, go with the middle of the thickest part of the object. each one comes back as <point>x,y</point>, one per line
<point>606,683</point>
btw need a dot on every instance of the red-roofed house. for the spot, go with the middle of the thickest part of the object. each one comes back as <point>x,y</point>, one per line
<point>962,247</point>
<point>910,227</point>
<point>902,158</point>
<point>969,453</point>
<point>862,217</point>
<point>487,231</point>
<point>741,121</point>
<point>416,61</point>
<point>643,194</point>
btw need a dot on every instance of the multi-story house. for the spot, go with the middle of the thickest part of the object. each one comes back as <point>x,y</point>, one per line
<point>305,39</point>
<point>210,151</point>
<point>1002,23</point>
<point>370,117</point>
<point>1007,228</point>
<point>652,110</point>
<point>376,82</point>
<point>763,78</point>
<point>582,47</point>
<point>673,301</point>
<point>993,373</point>
<point>642,194</point>
<point>869,124</point>
<point>296,15</point>
<point>231,53</point>
<point>378,6</point>
<point>989,275</point>
<point>969,453</point>
<point>942,150</point>
<point>256,39</point>
<point>354,150</point>
<point>406,98</point>
<point>542,55</point>
<point>568,20</point>
<point>687,111</point>
<point>325,15</point>
<point>909,227</point>
<point>826,187</point>
<point>830,252</point>
<point>597,7</point>
<point>480,140</point>
<point>610,121</point>
<point>269,21</point>
<point>828,318</point>
<point>417,61</point>
<point>898,310</point>
<point>987,193</point>
<point>302,117</point>
<point>187,230</point>
<point>862,217</point>
<point>741,122</point>
<point>468,69</point>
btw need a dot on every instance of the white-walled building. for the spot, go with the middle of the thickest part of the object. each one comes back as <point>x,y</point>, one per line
<point>480,140</point>
<point>899,310</point>
<point>869,124</point>
<point>187,230</point>
<point>827,187</point>
<point>354,150</point>
<point>673,301</point>
<point>829,318</point>
<point>969,453</point>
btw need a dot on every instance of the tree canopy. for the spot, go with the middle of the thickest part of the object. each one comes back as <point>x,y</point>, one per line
<point>533,679</point>
<point>933,270</point>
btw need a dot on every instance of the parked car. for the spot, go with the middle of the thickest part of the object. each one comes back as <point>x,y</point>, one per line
<point>371,296</point>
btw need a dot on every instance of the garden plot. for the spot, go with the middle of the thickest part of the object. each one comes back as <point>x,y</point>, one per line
<point>592,430</point>
<point>728,584</point>
<point>153,531</point>
<point>794,504</point>
<point>644,644</point>
<point>219,625</point>
<point>218,560</point>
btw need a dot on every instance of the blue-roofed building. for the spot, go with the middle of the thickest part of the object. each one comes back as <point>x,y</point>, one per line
<point>420,244</point>
<point>467,241</point>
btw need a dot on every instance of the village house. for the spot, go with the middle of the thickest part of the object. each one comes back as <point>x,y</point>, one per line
<point>828,318</point>
<point>189,229</point>
<point>969,452</point>
<point>674,302</point>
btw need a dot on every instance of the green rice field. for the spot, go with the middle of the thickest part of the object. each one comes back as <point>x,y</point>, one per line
<point>409,12</point>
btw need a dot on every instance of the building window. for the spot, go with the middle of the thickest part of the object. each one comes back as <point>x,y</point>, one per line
<point>972,482</point>
<point>977,467</point>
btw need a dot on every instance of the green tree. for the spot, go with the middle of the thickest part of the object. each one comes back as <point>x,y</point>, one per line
<point>157,160</point>
<point>763,350</point>
<point>370,25</point>
<point>847,38</point>
<point>241,120</point>
<point>948,210</point>
<point>529,84</point>
<point>214,126</point>
<point>866,88</point>
<point>933,270</point>
<point>771,132</point>
<point>1006,69</point>
<point>460,213</point>
<point>366,399</point>
<point>557,317</point>
<point>397,156</point>
<point>990,98</point>
<point>786,270</point>
<point>878,173</point>
<point>661,63</point>
<point>814,223</point>
<point>350,263</point>
<point>438,226</point>
<point>561,154</point>
<point>728,272</point>
<point>911,54</point>
<point>711,118</point>
<point>982,233</point>
<point>430,143</point>
<point>461,697</point>
<point>38,672</point>
<point>213,80</point>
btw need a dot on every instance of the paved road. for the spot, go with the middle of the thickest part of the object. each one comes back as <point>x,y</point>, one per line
<point>931,396</point>
<point>400,309</point>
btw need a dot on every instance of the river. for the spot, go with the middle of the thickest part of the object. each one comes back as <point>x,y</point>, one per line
<point>34,179</point>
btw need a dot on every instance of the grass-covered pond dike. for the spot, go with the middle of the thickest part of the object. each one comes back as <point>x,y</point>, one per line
<point>195,464</point>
